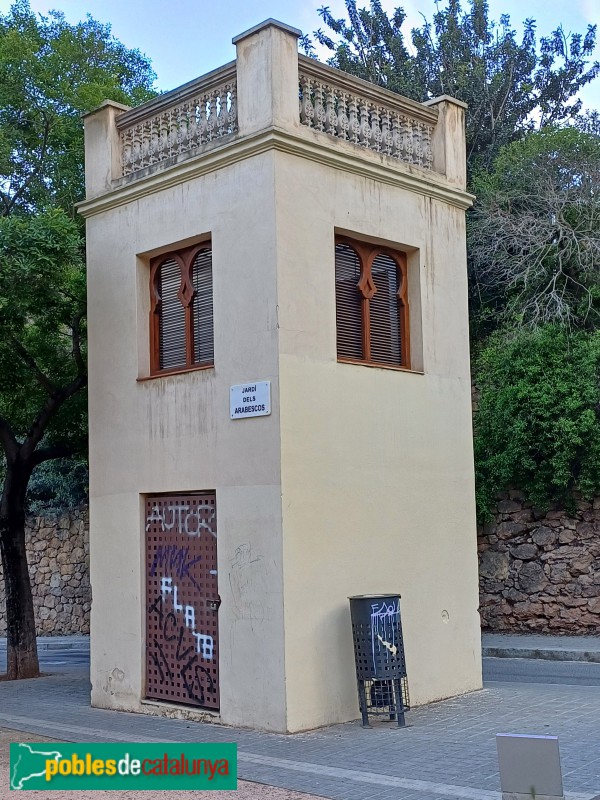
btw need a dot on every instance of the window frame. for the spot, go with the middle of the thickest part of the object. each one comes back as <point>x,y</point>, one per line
<point>185,257</point>
<point>367,253</point>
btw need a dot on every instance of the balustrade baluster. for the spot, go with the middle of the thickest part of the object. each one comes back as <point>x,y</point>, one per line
<point>232,117</point>
<point>211,116</point>
<point>319,107</point>
<point>184,127</point>
<point>151,138</point>
<point>172,137</point>
<point>417,144</point>
<point>342,124</point>
<point>354,122</point>
<point>365,128</point>
<point>307,111</point>
<point>330,115</point>
<point>386,133</point>
<point>222,118</point>
<point>376,135</point>
<point>407,139</point>
<point>396,137</point>
<point>202,121</point>
<point>140,146</point>
<point>163,139</point>
<point>427,151</point>
<point>192,128</point>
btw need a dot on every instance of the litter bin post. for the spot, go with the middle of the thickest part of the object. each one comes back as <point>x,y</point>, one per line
<point>379,656</point>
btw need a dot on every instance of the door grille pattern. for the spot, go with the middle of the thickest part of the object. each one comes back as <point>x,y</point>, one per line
<point>182,655</point>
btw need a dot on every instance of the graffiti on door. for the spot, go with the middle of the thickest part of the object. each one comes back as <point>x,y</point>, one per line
<point>182,600</point>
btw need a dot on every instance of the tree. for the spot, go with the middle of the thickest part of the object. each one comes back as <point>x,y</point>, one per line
<point>511,86</point>
<point>50,73</point>
<point>534,233</point>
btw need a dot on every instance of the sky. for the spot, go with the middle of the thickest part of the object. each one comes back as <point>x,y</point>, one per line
<point>186,38</point>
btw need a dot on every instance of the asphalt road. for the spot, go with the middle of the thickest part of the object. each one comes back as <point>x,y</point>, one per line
<point>537,670</point>
<point>56,660</point>
<point>502,670</point>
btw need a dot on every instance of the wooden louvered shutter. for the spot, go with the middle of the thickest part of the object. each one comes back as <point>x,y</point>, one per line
<point>349,302</point>
<point>172,338</point>
<point>384,312</point>
<point>203,308</point>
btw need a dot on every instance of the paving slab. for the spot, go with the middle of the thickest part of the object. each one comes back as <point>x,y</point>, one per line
<point>447,751</point>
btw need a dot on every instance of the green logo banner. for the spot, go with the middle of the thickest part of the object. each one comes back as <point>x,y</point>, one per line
<point>74,767</point>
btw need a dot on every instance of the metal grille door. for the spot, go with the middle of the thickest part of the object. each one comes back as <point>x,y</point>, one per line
<point>182,600</point>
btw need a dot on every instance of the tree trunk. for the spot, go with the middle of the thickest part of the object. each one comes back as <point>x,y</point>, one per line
<point>22,658</point>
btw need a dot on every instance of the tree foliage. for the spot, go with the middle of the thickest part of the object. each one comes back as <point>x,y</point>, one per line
<point>534,233</point>
<point>58,485</point>
<point>537,426</point>
<point>42,325</point>
<point>512,84</point>
<point>50,73</point>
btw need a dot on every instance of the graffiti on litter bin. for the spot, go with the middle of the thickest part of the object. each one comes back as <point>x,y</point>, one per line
<point>384,630</point>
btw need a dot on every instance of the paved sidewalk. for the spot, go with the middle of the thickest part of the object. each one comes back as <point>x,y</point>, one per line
<point>448,752</point>
<point>540,646</point>
<point>245,790</point>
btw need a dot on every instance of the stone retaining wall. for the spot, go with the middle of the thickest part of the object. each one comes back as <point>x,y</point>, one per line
<point>59,565</point>
<point>540,572</point>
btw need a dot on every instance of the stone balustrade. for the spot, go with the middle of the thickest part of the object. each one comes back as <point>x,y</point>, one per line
<point>271,91</point>
<point>356,111</point>
<point>179,122</point>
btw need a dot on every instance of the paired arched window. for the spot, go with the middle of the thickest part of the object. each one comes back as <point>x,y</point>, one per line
<point>371,292</point>
<point>181,316</point>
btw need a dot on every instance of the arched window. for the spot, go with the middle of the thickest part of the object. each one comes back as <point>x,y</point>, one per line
<point>181,316</point>
<point>371,293</point>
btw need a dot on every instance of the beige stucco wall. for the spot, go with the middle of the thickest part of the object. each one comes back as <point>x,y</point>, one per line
<point>361,479</point>
<point>173,434</point>
<point>377,468</point>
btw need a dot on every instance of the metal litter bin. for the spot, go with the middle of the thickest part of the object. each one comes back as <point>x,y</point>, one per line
<point>379,657</point>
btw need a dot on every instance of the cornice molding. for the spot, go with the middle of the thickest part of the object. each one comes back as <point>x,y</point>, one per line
<point>312,145</point>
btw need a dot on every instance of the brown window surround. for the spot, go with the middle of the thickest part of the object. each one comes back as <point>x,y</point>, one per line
<point>181,311</point>
<point>371,289</point>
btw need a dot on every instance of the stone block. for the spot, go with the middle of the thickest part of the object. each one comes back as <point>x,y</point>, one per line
<point>531,577</point>
<point>515,596</point>
<point>567,536</point>
<point>508,530</point>
<point>525,552</point>
<point>494,565</point>
<point>508,506</point>
<point>581,564</point>
<point>587,530</point>
<point>594,605</point>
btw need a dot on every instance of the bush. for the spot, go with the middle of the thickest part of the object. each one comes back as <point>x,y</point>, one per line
<point>537,426</point>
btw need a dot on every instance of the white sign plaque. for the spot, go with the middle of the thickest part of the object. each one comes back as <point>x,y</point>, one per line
<point>252,399</point>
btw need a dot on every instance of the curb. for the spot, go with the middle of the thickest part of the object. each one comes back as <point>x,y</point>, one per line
<point>61,643</point>
<point>545,654</point>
